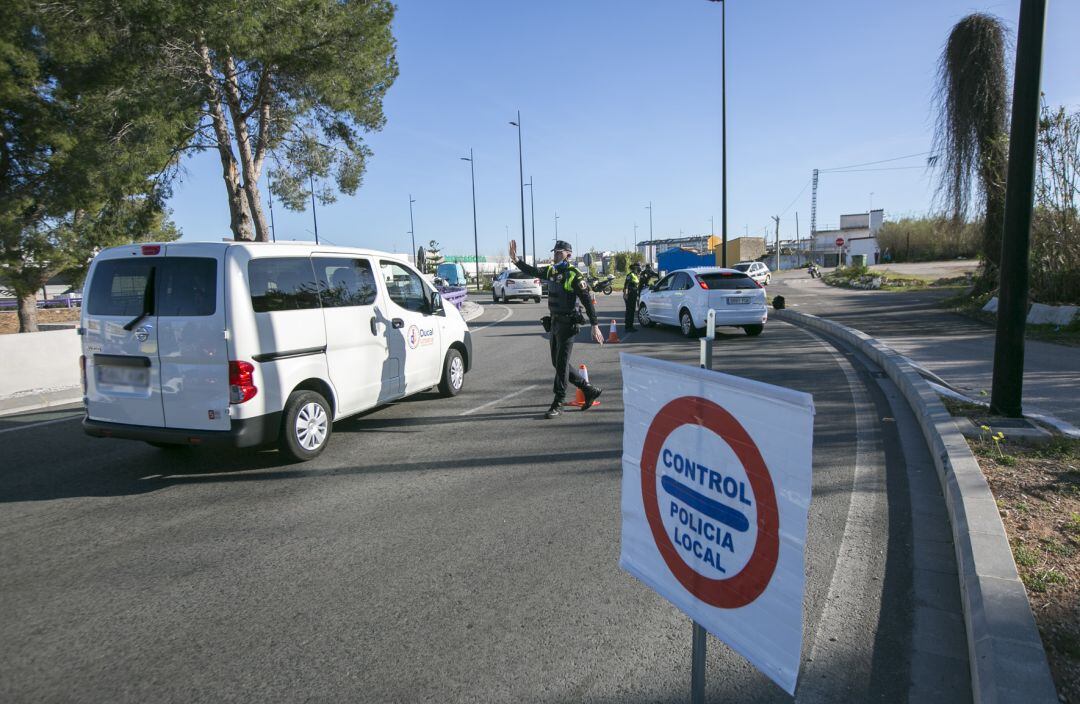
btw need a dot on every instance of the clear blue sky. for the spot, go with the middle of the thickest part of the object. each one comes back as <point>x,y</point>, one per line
<point>620,105</point>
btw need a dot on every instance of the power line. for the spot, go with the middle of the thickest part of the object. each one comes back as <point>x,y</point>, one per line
<point>871,163</point>
<point>887,168</point>
<point>793,200</point>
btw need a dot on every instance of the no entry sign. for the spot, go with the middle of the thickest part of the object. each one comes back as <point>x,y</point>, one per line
<point>715,494</point>
<point>839,241</point>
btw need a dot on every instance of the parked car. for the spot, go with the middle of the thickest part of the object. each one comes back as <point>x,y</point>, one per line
<point>247,344</point>
<point>685,296</point>
<point>756,271</point>
<point>515,284</point>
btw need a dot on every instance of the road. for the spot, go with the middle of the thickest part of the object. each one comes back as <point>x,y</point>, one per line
<point>454,550</point>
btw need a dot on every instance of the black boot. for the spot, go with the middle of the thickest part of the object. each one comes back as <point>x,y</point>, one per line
<point>591,393</point>
<point>555,410</point>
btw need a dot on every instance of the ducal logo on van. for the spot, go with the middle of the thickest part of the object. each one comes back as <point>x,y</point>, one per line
<point>419,337</point>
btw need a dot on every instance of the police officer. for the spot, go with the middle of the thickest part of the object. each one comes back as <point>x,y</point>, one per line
<point>566,286</point>
<point>631,292</point>
<point>648,276</point>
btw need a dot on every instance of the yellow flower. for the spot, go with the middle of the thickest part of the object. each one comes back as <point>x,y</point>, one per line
<point>985,427</point>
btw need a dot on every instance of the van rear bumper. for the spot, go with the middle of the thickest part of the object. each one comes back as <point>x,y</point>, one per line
<point>244,432</point>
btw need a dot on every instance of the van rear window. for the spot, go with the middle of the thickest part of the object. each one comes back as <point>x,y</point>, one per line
<point>184,286</point>
<point>727,281</point>
<point>282,283</point>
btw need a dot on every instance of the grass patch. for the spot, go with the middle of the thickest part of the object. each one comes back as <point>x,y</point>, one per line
<point>862,277</point>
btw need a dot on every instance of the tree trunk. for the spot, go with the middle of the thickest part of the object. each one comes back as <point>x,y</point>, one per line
<point>28,312</point>
<point>239,214</point>
<point>243,145</point>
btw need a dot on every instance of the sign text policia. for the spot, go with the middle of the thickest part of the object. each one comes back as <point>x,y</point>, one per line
<point>715,494</point>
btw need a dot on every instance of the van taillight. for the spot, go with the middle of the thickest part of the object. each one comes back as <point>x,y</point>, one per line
<point>241,382</point>
<point>151,249</point>
<point>82,371</point>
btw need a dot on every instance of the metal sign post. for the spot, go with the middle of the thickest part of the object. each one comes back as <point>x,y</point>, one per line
<point>707,341</point>
<point>697,667</point>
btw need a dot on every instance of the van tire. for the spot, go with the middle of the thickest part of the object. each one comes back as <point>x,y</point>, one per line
<point>453,375</point>
<point>295,442</point>
<point>753,330</point>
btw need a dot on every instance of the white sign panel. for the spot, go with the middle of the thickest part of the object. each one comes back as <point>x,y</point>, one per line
<point>715,493</point>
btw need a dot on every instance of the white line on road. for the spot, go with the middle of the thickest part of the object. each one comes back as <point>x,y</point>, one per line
<point>489,404</point>
<point>508,314</point>
<point>38,425</point>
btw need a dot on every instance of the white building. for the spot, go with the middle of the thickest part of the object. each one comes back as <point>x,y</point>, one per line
<point>857,234</point>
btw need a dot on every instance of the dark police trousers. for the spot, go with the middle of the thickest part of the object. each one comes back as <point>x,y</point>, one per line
<point>563,330</point>
<point>631,311</point>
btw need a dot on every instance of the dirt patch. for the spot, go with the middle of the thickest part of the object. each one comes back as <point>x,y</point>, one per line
<point>9,320</point>
<point>1037,489</point>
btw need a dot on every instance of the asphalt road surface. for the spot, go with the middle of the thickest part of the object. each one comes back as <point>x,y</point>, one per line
<point>454,550</point>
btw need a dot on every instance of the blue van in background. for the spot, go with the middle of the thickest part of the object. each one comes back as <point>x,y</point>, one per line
<point>452,273</point>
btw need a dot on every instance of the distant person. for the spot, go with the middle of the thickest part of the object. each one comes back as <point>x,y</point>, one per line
<point>631,293</point>
<point>567,287</point>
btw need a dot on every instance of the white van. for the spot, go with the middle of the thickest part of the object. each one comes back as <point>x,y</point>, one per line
<point>250,343</point>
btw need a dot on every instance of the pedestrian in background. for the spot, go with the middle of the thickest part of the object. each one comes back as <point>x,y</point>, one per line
<point>567,287</point>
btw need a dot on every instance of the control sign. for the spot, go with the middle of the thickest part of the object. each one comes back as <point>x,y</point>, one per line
<point>839,241</point>
<point>715,494</point>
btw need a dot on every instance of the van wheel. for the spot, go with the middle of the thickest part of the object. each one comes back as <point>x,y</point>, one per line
<point>453,374</point>
<point>753,330</point>
<point>305,426</point>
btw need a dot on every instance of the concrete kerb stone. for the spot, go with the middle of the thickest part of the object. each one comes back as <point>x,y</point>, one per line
<point>1006,655</point>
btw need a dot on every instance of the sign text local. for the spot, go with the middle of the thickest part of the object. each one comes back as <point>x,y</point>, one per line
<point>716,489</point>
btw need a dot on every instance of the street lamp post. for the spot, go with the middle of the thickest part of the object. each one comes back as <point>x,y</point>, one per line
<point>412,228</point>
<point>651,250</point>
<point>314,218</point>
<point>532,217</point>
<point>723,132</point>
<point>556,225</point>
<point>521,183</point>
<point>476,239</point>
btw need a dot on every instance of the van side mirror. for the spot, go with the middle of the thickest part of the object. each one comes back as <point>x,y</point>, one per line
<point>436,304</point>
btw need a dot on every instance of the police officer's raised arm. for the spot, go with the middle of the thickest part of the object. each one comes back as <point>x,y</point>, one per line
<point>521,264</point>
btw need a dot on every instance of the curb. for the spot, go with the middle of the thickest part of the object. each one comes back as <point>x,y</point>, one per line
<point>1005,653</point>
<point>471,310</point>
<point>39,400</point>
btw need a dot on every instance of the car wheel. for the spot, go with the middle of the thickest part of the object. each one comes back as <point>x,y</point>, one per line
<point>453,375</point>
<point>686,324</point>
<point>536,299</point>
<point>305,426</point>
<point>753,330</point>
<point>643,316</point>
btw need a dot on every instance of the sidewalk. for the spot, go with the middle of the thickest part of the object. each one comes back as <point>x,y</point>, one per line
<point>956,348</point>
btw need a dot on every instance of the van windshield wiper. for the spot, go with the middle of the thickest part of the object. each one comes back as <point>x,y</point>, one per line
<point>148,300</point>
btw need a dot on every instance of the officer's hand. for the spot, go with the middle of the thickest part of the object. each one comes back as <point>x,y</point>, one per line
<point>513,250</point>
<point>597,335</point>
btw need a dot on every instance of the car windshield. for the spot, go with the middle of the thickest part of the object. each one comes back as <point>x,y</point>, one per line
<point>741,267</point>
<point>521,275</point>
<point>729,281</point>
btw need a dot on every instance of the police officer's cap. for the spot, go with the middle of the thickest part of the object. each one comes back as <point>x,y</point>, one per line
<point>562,244</point>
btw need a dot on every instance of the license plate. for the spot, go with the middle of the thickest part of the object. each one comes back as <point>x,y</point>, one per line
<point>123,376</point>
<point>736,301</point>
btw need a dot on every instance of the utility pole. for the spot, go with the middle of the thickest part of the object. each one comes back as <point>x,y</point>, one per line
<point>651,249</point>
<point>412,228</point>
<point>776,219</point>
<point>798,241</point>
<point>556,225</point>
<point>532,217</point>
<point>1008,381</point>
<point>314,218</point>
<point>476,238</point>
<point>270,197</point>
<point>521,183</point>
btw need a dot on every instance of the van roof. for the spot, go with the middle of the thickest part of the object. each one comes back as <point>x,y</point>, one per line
<point>294,247</point>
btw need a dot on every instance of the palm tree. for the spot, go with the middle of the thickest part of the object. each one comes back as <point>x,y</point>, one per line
<point>971,139</point>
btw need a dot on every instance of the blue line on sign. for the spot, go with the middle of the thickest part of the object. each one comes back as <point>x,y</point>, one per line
<point>713,509</point>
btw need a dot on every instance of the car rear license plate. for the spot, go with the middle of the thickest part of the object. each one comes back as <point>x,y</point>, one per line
<point>123,376</point>
<point>733,301</point>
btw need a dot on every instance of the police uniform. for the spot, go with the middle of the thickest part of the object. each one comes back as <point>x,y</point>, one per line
<point>631,293</point>
<point>567,286</point>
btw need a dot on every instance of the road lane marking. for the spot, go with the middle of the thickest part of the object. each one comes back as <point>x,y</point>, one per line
<point>39,424</point>
<point>508,314</point>
<point>489,404</point>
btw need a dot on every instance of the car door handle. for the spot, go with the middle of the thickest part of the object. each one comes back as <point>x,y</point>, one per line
<point>374,329</point>
<point>398,323</point>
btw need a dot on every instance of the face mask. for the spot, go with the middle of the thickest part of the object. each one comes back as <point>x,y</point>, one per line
<point>563,264</point>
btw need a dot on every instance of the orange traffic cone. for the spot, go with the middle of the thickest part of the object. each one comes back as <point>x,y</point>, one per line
<point>612,335</point>
<point>579,397</point>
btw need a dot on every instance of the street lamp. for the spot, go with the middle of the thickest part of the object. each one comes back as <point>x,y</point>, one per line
<point>521,183</point>
<point>532,216</point>
<point>556,225</point>
<point>651,248</point>
<point>476,239</point>
<point>723,132</point>
<point>412,228</point>
<point>314,218</point>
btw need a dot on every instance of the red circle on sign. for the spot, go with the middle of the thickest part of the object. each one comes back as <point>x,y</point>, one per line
<point>747,585</point>
<point>839,241</point>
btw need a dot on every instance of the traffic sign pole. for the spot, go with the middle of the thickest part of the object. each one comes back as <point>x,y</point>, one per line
<point>697,670</point>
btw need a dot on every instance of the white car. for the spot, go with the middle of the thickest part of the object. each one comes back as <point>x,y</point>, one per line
<point>246,344</point>
<point>515,284</point>
<point>684,298</point>
<point>756,271</point>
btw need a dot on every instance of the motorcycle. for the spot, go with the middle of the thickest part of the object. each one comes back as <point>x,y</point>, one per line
<point>814,272</point>
<point>602,285</point>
